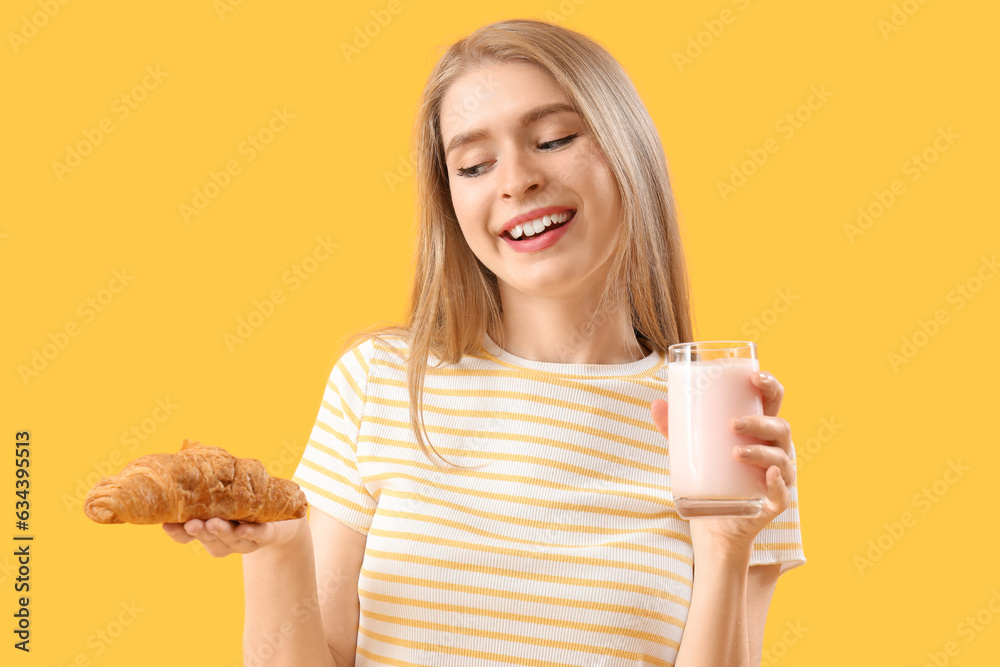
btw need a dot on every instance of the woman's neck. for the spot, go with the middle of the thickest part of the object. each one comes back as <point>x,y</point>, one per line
<point>565,331</point>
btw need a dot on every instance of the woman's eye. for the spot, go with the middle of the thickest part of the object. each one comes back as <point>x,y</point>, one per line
<point>560,142</point>
<point>473,171</point>
<point>470,171</point>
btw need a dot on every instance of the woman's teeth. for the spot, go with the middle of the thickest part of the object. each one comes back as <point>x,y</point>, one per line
<point>538,225</point>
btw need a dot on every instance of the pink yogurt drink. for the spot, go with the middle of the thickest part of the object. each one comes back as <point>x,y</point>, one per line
<point>705,478</point>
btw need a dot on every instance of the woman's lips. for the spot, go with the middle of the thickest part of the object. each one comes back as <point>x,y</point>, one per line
<point>537,215</point>
<point>539,241</point>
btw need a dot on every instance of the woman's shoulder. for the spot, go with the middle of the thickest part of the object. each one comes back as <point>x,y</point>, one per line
<point>369,343</point>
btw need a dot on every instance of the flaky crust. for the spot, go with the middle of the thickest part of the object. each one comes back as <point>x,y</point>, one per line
<point>198,482</point>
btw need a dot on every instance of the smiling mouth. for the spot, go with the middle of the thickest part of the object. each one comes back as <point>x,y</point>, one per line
<point>524,237</point>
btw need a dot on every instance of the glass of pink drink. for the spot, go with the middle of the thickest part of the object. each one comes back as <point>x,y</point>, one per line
<point>708,383</point>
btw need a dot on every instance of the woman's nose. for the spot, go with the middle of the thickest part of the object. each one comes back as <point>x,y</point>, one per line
<point>519,175</point>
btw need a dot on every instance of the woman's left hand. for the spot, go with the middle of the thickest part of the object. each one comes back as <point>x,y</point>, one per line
<point>736,534</point>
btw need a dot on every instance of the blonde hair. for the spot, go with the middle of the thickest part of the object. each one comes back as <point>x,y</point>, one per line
<point>455,299</point>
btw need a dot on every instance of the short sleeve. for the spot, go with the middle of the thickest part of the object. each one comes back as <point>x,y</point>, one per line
<point>328,471</point>
<point>780,541</point>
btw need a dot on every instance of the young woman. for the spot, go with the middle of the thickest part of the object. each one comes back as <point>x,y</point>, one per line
<point>522,514</point>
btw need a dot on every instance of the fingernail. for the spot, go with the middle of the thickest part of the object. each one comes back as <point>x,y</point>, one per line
<point>739,422</point>
<point>763,376</point>
<point>744,451</point>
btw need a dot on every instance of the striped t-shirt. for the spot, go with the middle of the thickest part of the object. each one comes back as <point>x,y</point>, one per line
<point>562,548</point>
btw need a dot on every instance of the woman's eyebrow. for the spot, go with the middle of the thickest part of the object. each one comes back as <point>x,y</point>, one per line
<point>527,119</point>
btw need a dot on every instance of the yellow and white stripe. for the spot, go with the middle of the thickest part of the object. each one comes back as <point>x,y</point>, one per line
<point>561,547</point>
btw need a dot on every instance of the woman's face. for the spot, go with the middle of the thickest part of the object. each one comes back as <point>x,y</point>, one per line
<point>513,163</point>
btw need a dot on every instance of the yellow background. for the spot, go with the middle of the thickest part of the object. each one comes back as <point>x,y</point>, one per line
<point>897,427</point>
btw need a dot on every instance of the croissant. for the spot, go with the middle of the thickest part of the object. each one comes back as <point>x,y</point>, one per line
<point>198,482</point>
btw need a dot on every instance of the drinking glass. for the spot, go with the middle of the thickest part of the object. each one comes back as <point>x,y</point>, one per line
<point>708,383</point>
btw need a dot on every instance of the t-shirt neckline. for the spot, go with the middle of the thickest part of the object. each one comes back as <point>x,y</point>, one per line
<point>652,361</point>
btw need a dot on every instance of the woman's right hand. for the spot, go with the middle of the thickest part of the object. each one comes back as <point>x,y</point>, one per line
<point>221,537</point>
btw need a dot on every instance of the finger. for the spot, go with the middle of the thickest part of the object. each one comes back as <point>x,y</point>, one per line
<point>177,532</point>
<point>767,457</point>
<point>771,391</point>
<point>778,495</point>
<point>770,429</point>
<point>199,530</point>
<point>225,532</point>
<point>255,533</point>
<point>658,408</point>
<point>194,527</point>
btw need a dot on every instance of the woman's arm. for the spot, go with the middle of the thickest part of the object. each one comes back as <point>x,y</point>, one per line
<point>715,633</point>
<point>729,603</point>
<point>282,622</point>
<point>300,583</point>
<point>760,589</point>
<point>729,599</point>
<point>302,602</point>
